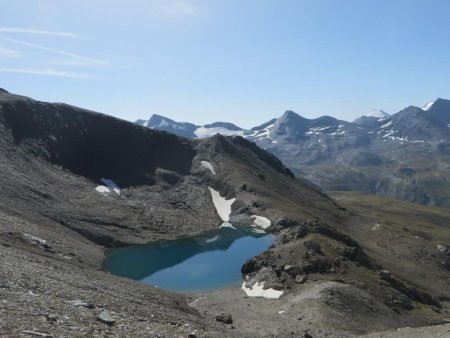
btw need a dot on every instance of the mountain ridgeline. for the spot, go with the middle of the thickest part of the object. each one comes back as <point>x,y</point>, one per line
<point>74,182</point>
<point>404,156</point>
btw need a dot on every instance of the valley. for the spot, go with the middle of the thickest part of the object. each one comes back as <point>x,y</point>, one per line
<point>76,183</point>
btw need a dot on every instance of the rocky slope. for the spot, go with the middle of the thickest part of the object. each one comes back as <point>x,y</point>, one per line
<point>74,182</point>
<point>404,156</point>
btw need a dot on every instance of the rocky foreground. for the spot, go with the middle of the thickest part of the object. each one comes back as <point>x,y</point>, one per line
<point>58,213</point>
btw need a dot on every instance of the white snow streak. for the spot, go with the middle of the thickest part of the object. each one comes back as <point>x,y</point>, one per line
<point>207,165</point>
<point>111,185</point>
<point>227,225</point>
<point>386,124</point>
<point>260,222</point>
<point>223,206</point>
<point>103,190</point>
<point>203,132</point>
<point>428,106</point>
<point>258,291</point>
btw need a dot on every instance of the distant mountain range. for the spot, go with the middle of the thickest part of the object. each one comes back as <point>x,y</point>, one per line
<point>405,155</point>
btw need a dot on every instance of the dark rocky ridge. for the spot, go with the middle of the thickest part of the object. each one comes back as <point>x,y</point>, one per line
<point>81,142</point>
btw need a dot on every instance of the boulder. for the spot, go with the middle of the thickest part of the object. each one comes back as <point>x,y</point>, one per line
<point>313,246</point>
<point>384,274</point>
<point>105,317</point>
<point>224,318</point>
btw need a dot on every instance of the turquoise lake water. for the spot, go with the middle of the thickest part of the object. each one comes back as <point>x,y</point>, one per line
<point>207,262</point>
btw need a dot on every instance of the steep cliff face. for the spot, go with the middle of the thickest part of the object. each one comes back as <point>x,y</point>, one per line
<point>94,145</point>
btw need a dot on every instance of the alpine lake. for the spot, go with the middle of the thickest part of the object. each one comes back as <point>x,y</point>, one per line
<point>206,262</point>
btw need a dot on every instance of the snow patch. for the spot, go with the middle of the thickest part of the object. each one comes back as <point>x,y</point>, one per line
<point>207,165</point>
<point>260,222</point>
<point>317,131</point>
<point>227,225</point>
<point>257,290</point>
<point>203,132</point>
<point>223,206</point>
<point>376,226</point>
<point>111,185</point>
<point>378,113</point>
<point>386,124</point>
<point>34,239</point>
<point>428,106</point>
<point>103,190</point>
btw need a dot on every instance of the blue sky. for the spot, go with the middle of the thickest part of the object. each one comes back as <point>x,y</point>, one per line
<point>244,61</point>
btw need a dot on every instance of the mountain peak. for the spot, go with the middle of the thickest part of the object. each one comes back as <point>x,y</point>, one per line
<point>290,114</point>
<point>3,91</point>
<point>159,117</point>
<point>378,113</point>
<point>427,106</point>
<point>371,117</point>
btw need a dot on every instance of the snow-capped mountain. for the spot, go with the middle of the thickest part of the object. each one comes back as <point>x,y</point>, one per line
<point>163,123</point>
<point>377,113</point>
<point>190,130</point>
<point>412,124</point>
<point>375,153</point>
<point>372,117</point>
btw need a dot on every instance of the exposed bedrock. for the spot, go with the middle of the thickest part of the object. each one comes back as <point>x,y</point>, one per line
<point>314,251</point>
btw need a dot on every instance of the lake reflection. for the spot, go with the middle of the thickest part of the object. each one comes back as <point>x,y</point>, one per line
<point>207,262</point>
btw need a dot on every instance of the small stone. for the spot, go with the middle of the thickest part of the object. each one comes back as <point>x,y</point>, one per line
<point>287,267</point>
<point>243,187</point>
<point>442,248</point>
<point>81,303</point>
<point>192,334</point>
<point>106,318</point>
<point>36,334</point>
<point>307,335</point>
<point>436,309</point>
<point>224,318</point>
<point>52,317</point>
<point>385,274</point>
<point>300,279</point>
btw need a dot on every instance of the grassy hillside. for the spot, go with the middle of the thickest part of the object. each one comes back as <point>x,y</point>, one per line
<point>403,237</point>
<point>429,223</point>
